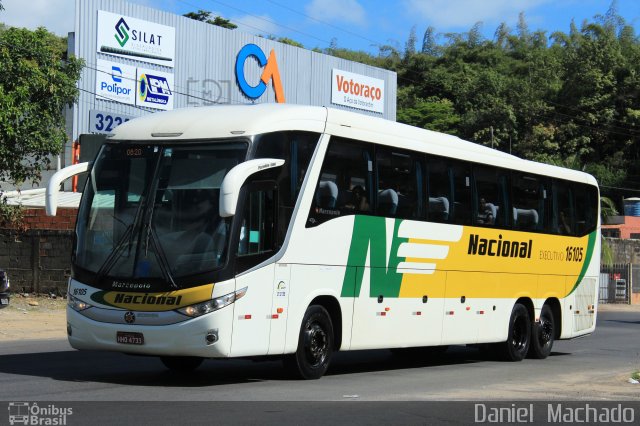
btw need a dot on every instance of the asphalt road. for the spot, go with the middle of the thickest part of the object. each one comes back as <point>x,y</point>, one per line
<point>592,369</point>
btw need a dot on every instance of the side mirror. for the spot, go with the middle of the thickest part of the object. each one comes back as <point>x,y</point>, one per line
<point>233,181</point>
<point>53,187</point>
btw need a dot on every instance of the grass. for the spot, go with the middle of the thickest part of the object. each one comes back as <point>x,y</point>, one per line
<point>636,375</point>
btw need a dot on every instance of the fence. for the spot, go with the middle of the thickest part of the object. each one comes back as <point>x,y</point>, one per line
<point>618,283</point>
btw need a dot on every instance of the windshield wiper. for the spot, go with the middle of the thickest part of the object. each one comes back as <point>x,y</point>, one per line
<point>162,258</point>
<point>126,239</point>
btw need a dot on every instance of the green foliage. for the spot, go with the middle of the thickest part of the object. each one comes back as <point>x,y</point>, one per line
<point>433,114</point>
<point>567,97</point>
<point>36,84</point>
<point>205,16</point>
<point>283,40</point>
<point>290,42</point>
<point>10,216</point>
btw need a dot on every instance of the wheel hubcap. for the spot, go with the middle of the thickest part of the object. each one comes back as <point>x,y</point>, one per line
<point>546,331</point>
<point>316,344</point>
<point>519,337</point>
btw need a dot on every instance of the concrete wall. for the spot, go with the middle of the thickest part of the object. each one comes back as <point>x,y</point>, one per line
<point>625,251</point>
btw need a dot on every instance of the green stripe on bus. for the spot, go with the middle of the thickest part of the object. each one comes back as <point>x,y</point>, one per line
<point>587,261</point>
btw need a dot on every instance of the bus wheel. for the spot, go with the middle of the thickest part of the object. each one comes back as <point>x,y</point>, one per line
<point>543,335</point>
<point>315,345</point>
<point>181,364</point>
<point>517,344</point>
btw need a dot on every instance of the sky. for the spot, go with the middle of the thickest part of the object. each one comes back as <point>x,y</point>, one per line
<point>352,24</point>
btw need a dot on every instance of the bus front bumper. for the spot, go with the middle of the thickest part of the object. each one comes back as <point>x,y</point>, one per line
<point>208,336</point>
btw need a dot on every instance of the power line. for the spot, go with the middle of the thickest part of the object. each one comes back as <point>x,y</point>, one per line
<point>270,21</point>
<point>246,25</point>
<point>375,43</point>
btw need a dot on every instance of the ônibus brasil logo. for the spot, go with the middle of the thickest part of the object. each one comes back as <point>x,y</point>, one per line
<point>270,72</point>
<point>122,35</point>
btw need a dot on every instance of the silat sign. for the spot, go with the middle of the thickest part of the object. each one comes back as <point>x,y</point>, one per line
<point>136,39</point>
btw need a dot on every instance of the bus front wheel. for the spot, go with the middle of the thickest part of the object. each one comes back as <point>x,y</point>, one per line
<point>315,345</point>
<point>517,344</point>
<point>181,364</point>
<point>543,334</point>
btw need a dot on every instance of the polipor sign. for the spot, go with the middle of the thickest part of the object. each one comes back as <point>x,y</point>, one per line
<point>357,91</point>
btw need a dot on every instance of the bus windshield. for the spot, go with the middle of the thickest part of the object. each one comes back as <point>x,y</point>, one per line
<point>151,211</point>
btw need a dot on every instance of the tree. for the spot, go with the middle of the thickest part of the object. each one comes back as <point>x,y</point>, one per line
<point>429,45</point>
<point>36,84</point>
<point>410,46</point>
<point>205,16</point>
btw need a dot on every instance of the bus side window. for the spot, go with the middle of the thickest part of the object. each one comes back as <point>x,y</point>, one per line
<point>439,190</point>
<point>257,229</point>
<point>490,195</point>
<point>528,200</point>
<point>563,209</point>
<point>344,186</point>
<point>460,175</point>
<point>586,208</point>
<point>398,188</point>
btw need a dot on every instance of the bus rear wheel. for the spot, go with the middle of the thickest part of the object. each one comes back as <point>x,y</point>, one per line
<point>516,346</point>
<point>543,334</point>
<point>181,364</point>
<point>315,345</point>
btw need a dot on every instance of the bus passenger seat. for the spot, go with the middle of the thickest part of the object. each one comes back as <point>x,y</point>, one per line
<point>327,194</point>
<point>387,202</point>
<point>439,208</point>
<point>525,218</point>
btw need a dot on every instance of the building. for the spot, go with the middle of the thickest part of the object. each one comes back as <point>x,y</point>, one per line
<point>139,61</point>
<point>627,226</point>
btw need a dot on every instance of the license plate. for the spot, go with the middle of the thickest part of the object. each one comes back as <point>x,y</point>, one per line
<point>128,338</point>
<point>4,301</point>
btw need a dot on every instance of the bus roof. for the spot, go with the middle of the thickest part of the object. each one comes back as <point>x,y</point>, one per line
<point>224,121</point>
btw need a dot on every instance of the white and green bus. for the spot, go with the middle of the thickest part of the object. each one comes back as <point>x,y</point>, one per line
<point>297,231</point>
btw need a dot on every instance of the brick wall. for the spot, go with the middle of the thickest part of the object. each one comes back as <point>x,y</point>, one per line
<point>65,219</point>
<point>38,258</point>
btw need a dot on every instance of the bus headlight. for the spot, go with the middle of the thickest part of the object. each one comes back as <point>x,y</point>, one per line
<point>77,304</point>
<point>212,305</point>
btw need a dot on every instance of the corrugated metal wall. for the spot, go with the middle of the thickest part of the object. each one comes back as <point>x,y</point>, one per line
<point>204,66</point>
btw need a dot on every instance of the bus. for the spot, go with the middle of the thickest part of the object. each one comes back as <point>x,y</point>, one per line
<point>299,231</point>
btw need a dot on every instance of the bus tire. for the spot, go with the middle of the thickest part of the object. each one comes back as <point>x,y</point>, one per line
<point>516,346</point>
<point>542,335</point>
<point>315,345</point>
<point>181,364</point>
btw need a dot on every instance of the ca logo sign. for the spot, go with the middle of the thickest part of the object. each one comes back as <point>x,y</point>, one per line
<point>270,72</point>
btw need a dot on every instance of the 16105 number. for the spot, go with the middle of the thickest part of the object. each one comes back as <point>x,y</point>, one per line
<point>575,254</point>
